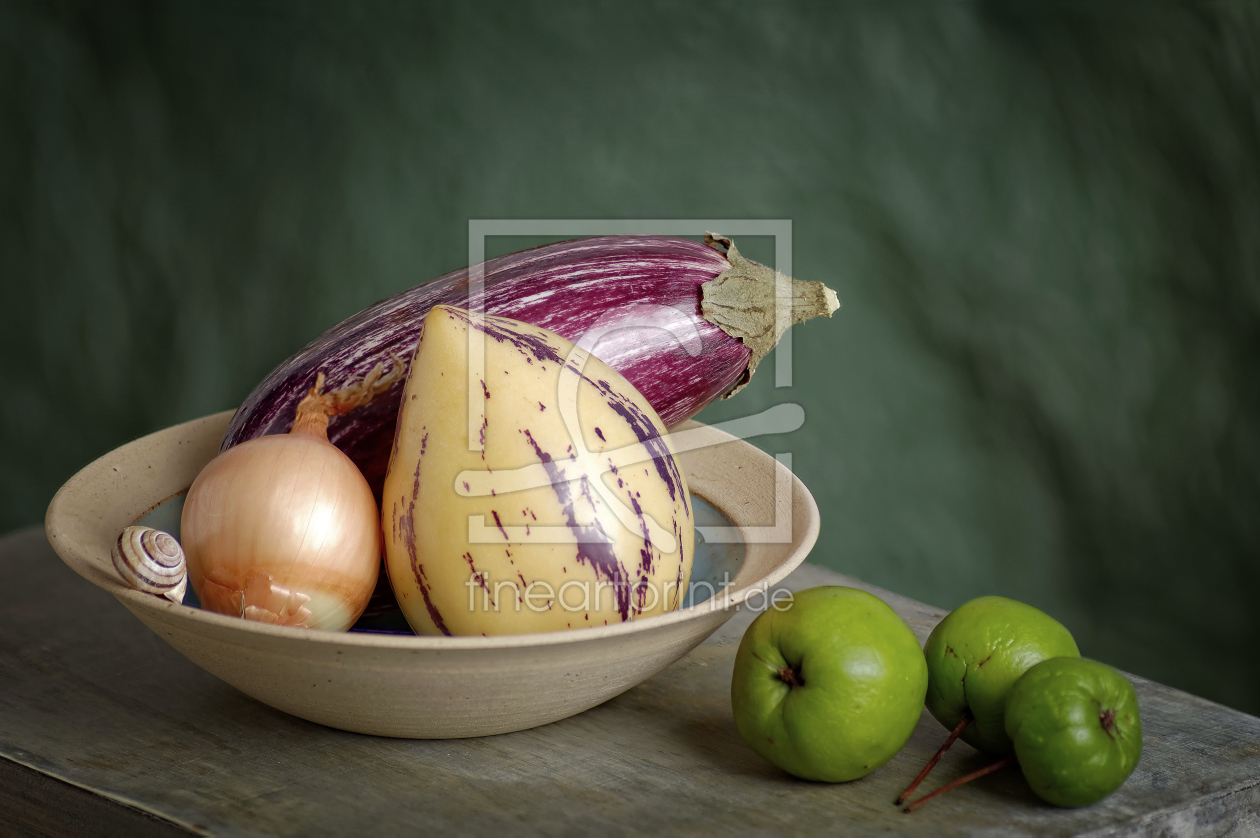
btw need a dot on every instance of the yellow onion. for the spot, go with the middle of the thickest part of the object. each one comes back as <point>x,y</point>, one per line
<point>284,529</point>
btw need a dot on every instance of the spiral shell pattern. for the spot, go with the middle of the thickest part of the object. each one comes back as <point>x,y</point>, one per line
<point>152,561</point>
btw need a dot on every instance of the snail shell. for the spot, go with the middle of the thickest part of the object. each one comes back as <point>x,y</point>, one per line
<point>151,560</point>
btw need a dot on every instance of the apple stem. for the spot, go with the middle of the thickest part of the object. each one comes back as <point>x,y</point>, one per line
<point>790,676</point>
<point>953,737</point>
<point>1005,762</point>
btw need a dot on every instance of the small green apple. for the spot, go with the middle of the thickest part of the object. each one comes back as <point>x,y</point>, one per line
<point>1076,729</point>
<point>977,653</point>
<point>829,688</point>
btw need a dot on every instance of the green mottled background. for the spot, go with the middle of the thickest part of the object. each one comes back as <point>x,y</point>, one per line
<point>1044,225</point>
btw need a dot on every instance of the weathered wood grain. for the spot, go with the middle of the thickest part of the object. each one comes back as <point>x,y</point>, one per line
<point>90,696</point>
<point>35,805</point>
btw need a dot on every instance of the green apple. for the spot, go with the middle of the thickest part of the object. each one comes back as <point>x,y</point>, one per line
<point>830,687</point>
<point>977,653</point>
<point>1076,729</point>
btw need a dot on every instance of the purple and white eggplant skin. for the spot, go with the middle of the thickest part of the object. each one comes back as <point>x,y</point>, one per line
<point>674,356</point>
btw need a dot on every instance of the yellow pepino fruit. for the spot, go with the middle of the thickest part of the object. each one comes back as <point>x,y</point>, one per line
<point>538,493</point>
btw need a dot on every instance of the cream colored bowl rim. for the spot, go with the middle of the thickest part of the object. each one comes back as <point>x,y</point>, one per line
<point>75,554</point>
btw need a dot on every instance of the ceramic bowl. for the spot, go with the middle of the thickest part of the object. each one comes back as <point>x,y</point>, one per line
<point>432,687</point>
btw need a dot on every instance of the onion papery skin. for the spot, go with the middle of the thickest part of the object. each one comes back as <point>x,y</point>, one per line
<point>568,288</point>
<point>283,529</point>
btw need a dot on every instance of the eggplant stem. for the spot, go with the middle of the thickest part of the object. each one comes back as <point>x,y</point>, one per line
<point>756,304</point>
<point>940,752</point>
<point>1005,762</point>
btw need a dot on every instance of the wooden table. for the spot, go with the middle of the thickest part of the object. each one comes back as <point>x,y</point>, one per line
<point>106,730</point>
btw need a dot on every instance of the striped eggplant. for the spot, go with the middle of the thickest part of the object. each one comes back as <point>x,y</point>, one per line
<point>684,322</point>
